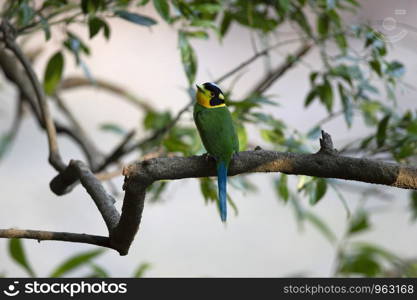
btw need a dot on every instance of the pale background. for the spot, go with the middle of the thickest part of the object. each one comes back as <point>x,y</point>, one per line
<point>181,236</point>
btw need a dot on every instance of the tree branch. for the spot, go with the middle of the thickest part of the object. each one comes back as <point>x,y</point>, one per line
<point>76,82</point>
<point>139,176</point>
<point>319,165</point>
<point>41,235</point>
<point>76,170</point>
<point>17,76</point>
<point>8,38</point>
<point>117,153</point>
<point>326,163</point>
<point>254,58</point>
<point>90,149</point>
<point>274,75</point>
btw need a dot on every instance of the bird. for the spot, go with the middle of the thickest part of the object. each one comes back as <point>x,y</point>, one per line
<point>215,126</point>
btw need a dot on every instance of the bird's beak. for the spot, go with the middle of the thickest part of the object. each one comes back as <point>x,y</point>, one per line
<point>199,88</point>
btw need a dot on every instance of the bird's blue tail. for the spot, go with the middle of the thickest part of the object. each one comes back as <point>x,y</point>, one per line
<point>221,182</point>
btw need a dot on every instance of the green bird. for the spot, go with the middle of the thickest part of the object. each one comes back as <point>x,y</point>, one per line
<point>215,126</point>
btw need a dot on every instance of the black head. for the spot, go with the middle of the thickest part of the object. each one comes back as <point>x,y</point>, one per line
<point>217,97</point>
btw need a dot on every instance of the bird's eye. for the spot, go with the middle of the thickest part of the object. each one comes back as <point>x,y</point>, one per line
<point>212,94</point>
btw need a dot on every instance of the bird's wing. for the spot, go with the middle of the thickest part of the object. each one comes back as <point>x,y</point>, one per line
<point>217,132</point>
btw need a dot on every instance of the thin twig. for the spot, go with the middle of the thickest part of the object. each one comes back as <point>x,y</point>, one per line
<point>253,58</point>
<point>76,82</point>
<point>117,152</point>
<point>266,82</point>
<point>92,149</point>
<point>160,132</point>
<point>42,235</point>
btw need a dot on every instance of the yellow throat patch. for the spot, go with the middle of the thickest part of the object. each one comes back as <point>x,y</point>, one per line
<point>203,98</point>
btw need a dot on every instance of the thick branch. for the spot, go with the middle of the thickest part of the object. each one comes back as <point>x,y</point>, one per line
<point>56,236</point>
<point>75,171</point>
<point>326,163</point>
<point>133,203</point>
<point>319,165</point>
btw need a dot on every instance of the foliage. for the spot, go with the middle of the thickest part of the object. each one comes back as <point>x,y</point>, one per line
<point>355,80</point>
<point>84,261</point>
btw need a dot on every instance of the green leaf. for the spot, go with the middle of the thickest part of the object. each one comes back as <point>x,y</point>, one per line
<point>162,7</point>
<point>365,247</point>
<point>45,28</point>
<point>313,76</point>
<point>92,6</point>
<point>395,69</point>
<point>208,189</point>
<point>141,270</point>
<point>25,13</point>
<point>275,136</point>
<point>323,25</point>
<point>353,3</point>
<point>382,131</point>
<point>284,6</point>
<point>232,205</point>
<point>367,259</point>
<point>242,136</point>
<point>188,57</point>
<point>197,34</point>
<point>143,2</point>
<point>76,46</point>
<point>111,127</point>
<point>53,73</point>
<point>75,262</point>
<point>413,204</point>
<point>376,66</point>
<point>326,95</point>
<point>321,226</point>
<point>95,24</point>
<point>314,133</point>
<point>347,105</point>
<point>18,254</point>
<point>5,141</point>
<point>54,3</point>
<point>359,223</point>
<point>156,120</point>
<point>175,143</point>
<point>98,272</point>
<point>282,187</point>
<point>299,17</point>
<point>154,191</point>
<point>254,19</point>
<point>362,263</point>
<point>319,191</point>
<point>135,18</point>
<point>310,97</point>
<point>206,8</point>
<point>341,41</point>
<point>225,24</point>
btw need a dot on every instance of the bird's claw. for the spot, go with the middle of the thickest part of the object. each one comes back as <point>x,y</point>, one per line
<point>235,155</point>
<point>207,156</point>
